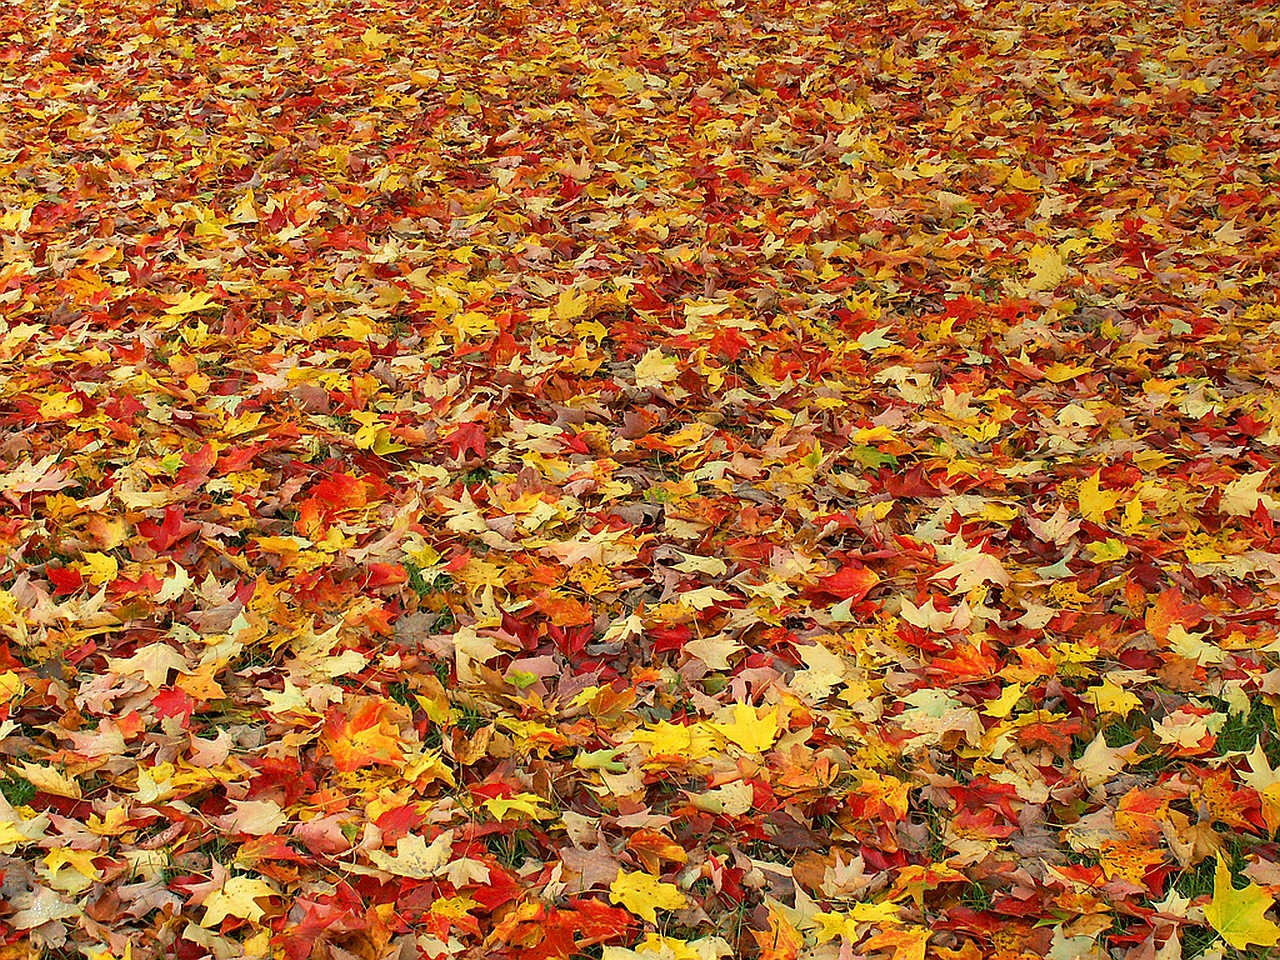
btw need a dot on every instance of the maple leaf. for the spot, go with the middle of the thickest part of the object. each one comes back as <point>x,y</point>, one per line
<point>1095,503</point>
<point>414,858</point>
<point>752,731</point>
<point>644,894</point>
<point>1242,497</point>
<point>782,941</point>
<point>655,370</point>
<point>191,303</point>
<point>1240,915</point>
<point>466,436</point>
<point>39,906</point>
<point>237,897</point>
<point>522,804</point>
<point>1099,762</point>
<point>907,944</point>
<point>364,738</point>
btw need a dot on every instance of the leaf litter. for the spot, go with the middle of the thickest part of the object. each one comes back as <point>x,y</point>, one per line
<point>638,480</point>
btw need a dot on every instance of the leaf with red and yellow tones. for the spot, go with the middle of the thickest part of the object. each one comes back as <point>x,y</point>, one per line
<point>1170,608</point>
<point>906,944</point>
<point>362,737</point>
<point>852,582</point>
<point>782,941</point>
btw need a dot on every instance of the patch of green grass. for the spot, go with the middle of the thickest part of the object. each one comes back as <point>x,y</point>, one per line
<point>417,582</point>
<point>17,791</point>
<point>471,720</point>
<point>433,739</point>
<point>1196,940</point>
<point>1123,731</point>
<point>976,897</point>
<point>1242,731</point>
<point>401,694</point>
<point>509,849</point>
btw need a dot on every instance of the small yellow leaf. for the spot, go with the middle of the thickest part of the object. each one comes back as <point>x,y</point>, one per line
<point>643,895</point>
<point>570,306</point>
<point>414,857</point>
<point>11,686</point>
<point>1109,697</point>
<point>1095,503</point>
<point>526,804</point>
<point>1003,705</point>
<point>99,567</point>
<point>1107,551</point>
<point>1062,372</point>
<point>238,897</point>
<point>655,369</point>
<point>753,732</point>
<point>192,302</point>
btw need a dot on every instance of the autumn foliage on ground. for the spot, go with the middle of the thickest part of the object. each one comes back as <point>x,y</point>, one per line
<point>663,480</point>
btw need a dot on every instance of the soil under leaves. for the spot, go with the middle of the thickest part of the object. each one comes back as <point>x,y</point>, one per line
<point>639,479</point>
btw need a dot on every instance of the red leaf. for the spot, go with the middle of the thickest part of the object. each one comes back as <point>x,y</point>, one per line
<point>465,436</point>
<point>64,580</point>
<point>175,527</point>
<point>851,583</point>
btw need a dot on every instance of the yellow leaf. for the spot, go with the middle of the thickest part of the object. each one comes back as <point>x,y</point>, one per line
<point>1047,267</point>
<point>754,733</point>
<point>1108,551</point>
<point>60,405</point>
<point>11,686</point>
<point>191,303</point>
<point>570,306</point>
<point>50,781</point>
<point>1021,180</point>
<point>245,211</point>
<point>1109,697</point>
<point>1131,522</point>
<point>414,858</point>
<point>527,804</point>
<point>1240,498</point>
<point>1003,705</point>
<point>675,740</point>
<point>1095,503</point>
<point>643,895</point>
<point>906,944</point>
<point>99,567</point>
<point>10,837</point>
<point>238,897</point>
<point>654,369</point>
<point>1062,372</point>
<point>1240,915</point>
<point>1191,646</point>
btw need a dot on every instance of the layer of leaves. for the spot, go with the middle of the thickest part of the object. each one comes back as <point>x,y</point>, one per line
<point>638,479</point>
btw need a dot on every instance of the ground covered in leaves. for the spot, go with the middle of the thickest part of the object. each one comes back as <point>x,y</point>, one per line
<point>639,479</point>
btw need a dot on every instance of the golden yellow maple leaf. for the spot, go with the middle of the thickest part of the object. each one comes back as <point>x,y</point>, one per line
<point>753,732</point>
<point>238,897</point>
<point>643,894</point>
<point>1240,915</point>
<point>1047,267</point>
<point>523,804</point>
<point>192,302</point>
<point>1096,503</point>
